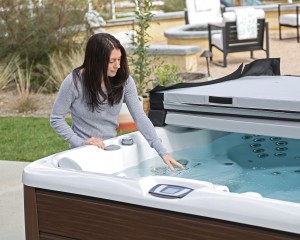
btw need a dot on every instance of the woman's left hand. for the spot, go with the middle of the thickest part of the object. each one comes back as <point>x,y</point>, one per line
<point>95,141</point>
<point>171,162</point>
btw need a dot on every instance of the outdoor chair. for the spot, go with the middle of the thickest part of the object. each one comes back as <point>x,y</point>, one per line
<point>291,20</point>
<point>226,38</point>
<point>95,23</point>
<point>203,11</point>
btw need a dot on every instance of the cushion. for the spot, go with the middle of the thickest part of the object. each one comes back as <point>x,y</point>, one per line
<point>217,40</point>
<point>289,19</point>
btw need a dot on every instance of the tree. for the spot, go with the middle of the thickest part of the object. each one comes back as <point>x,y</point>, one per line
<point>140,59</point>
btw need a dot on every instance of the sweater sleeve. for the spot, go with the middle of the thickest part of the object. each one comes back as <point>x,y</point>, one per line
<point>66,95</point>
<point>141,120</point>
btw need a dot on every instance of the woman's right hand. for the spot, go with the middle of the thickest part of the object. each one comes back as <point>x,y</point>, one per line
<point>96,142</point>
<point>171,162</point>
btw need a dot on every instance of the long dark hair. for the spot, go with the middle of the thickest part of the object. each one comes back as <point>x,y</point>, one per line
<point>94,69</point>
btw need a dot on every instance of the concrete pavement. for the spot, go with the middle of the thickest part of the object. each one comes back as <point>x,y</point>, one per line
<point>11,200</point>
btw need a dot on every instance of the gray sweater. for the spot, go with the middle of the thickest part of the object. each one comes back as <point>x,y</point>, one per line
<point>102,124</point>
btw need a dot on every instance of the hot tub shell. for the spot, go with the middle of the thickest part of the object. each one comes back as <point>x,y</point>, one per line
<point>90,204</point>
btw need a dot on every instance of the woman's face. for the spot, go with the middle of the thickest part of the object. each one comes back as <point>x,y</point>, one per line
<point>114,62</point>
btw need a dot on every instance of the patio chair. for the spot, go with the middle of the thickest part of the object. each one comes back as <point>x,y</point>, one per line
<point>291,20</point>
<point>95,23</point>
<point>203,11</point>
<point>225,36</point>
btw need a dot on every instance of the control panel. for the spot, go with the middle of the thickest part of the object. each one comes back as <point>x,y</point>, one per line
<point>170,191</point>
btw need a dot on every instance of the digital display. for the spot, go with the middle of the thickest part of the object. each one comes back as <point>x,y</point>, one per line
<point>171,189</point>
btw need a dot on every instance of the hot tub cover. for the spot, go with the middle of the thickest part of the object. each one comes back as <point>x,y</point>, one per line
<point>255,94</point>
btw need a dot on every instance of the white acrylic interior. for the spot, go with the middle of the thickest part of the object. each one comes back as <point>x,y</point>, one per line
<point>93,159</point>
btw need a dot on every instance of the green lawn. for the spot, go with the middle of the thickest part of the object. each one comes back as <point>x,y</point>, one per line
<point>28,139</point>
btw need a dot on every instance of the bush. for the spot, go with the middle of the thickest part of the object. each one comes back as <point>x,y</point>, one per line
<point>61,65</point>
<point>35,31</point>
<point>7,71</point>
<point>167,75</point>
<point>26,102</point>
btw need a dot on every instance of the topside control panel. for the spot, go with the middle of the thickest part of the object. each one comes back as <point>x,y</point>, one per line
<point>170,191</point>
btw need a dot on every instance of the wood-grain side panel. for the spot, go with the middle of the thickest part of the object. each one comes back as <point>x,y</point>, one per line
<point>87,218</point>
<point>30,214</point>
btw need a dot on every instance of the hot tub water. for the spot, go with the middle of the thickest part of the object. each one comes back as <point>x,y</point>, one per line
<point>267,165</point>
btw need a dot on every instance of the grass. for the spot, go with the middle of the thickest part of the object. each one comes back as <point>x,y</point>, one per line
<point>30,138</point>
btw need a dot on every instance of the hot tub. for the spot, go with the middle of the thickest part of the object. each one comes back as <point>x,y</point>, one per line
<point>236,185</point>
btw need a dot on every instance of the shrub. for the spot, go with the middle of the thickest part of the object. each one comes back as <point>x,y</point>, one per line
<point>167,75</point>
<point>61,65</point>
<point>7,71</point>
<point>36,31</point>
<point>25,102</point>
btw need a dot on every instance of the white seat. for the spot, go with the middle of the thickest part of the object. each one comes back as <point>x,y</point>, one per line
<point>289,19</point>
<point>203,11</point>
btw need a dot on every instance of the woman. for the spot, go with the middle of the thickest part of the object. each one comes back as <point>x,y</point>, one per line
<point>94,92</point>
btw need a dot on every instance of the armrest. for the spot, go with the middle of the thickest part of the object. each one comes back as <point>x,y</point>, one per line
<point>212,27</point>
<point>216,25</point>
<point>282,5</point>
